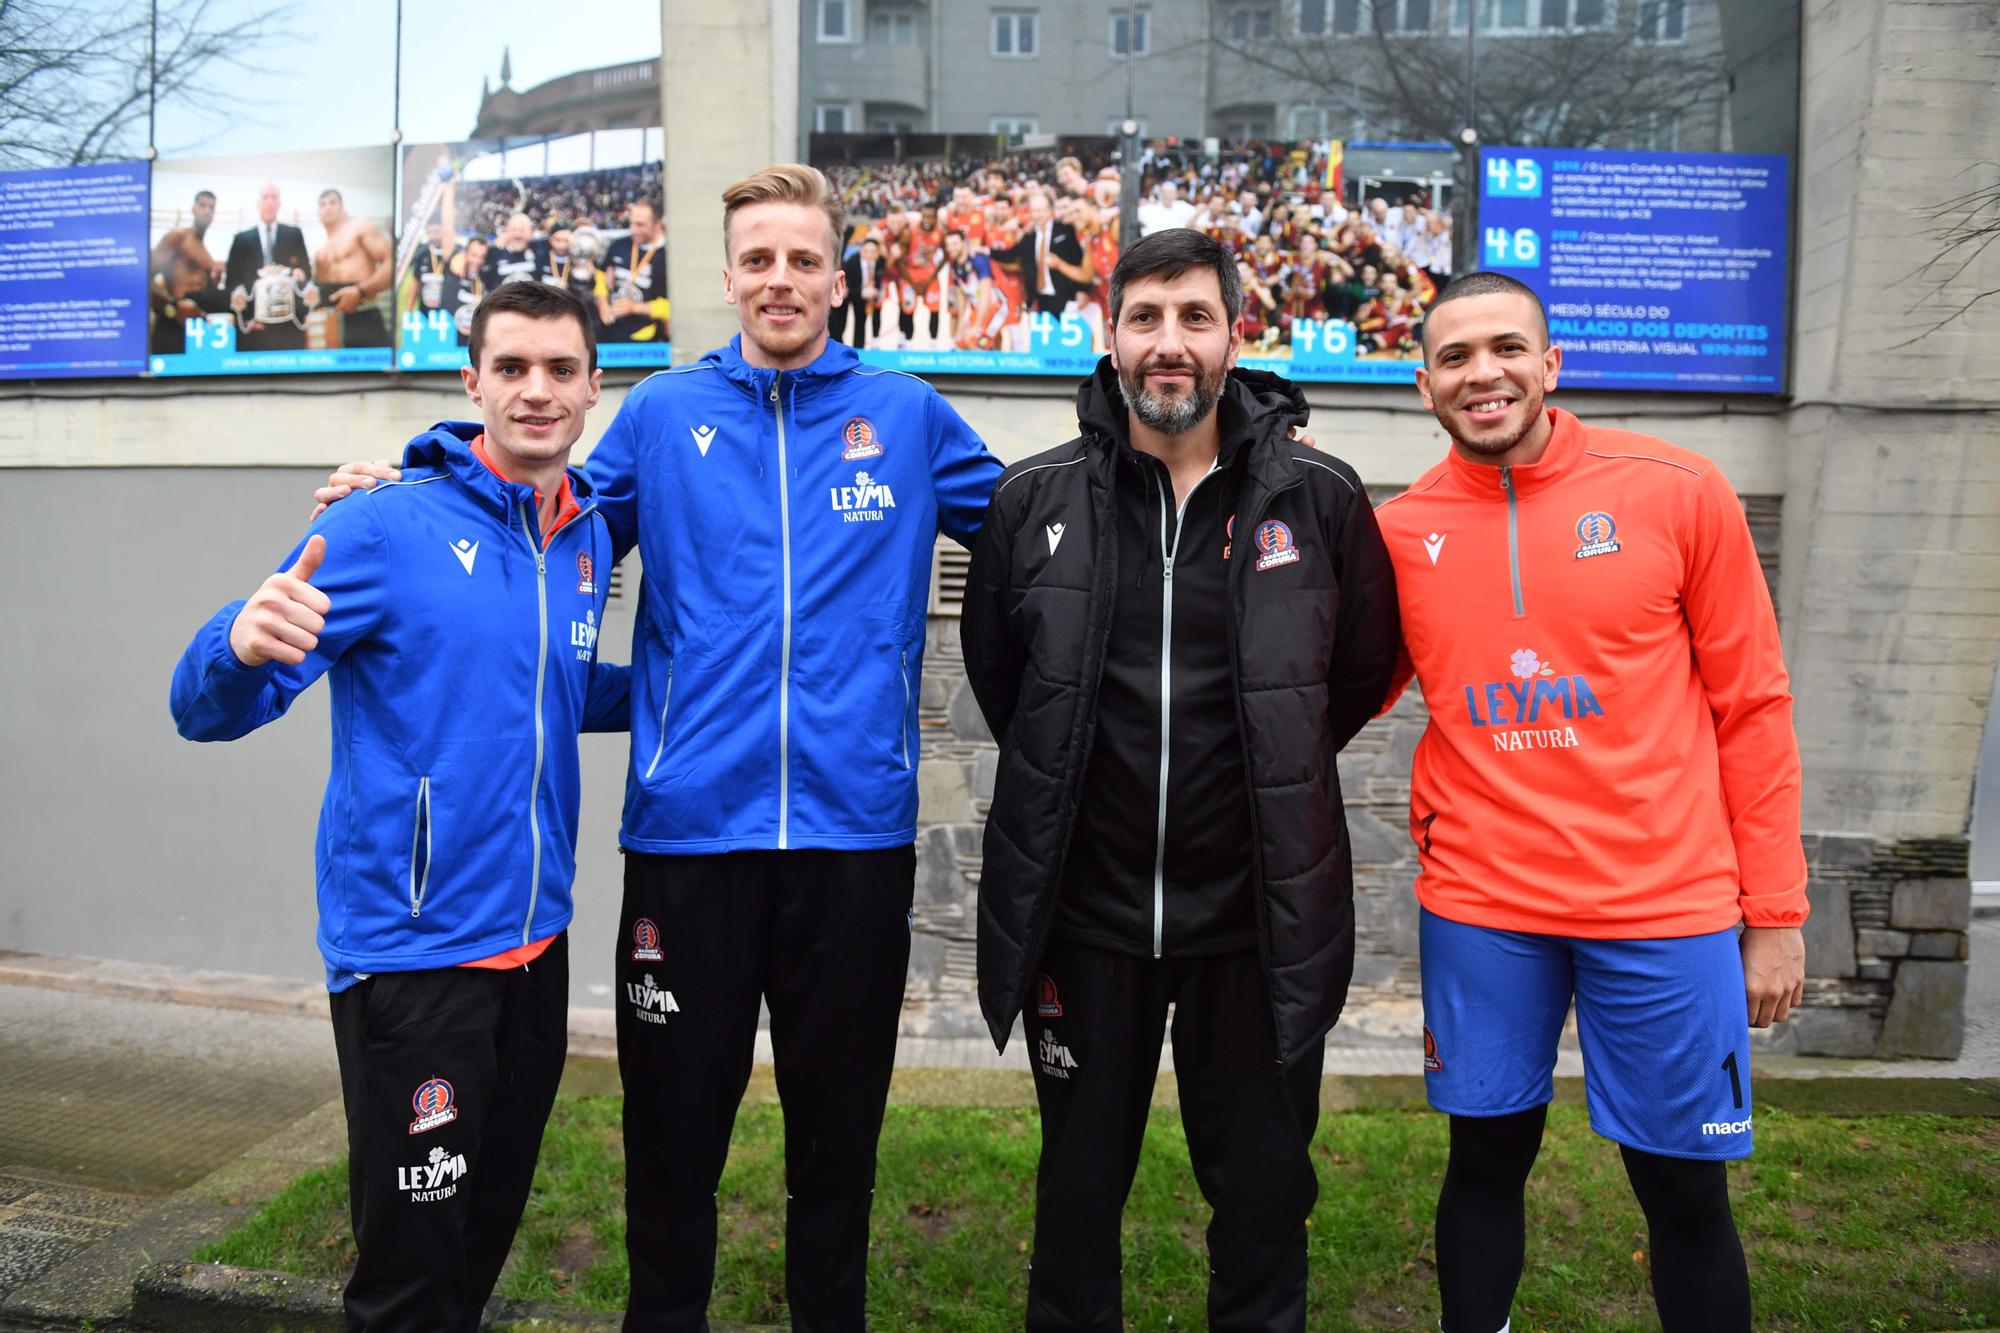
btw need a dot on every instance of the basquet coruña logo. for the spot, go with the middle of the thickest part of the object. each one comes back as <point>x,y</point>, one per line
<point>1522,710</point>
<point>1047,1005</point>
<point>1432,1065</point>
<point>1274,543</point>
<point>1596,534</point>
<point>584,583</point>
<point>645,941</point>
<point>432,1102</point>
<point>859,440</point>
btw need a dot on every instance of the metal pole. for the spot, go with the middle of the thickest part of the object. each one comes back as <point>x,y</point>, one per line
<point>153,78</point>
<point>1465,204</point>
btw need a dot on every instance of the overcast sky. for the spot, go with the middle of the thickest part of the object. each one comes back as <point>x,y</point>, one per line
<point>331,84</point>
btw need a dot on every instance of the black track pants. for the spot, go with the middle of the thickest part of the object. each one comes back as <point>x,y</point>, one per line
<point>1094,1024</point>
<point>448,1075</point>
<point>824,938</point>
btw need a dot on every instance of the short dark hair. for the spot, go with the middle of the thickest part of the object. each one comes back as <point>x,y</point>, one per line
<point>1168,254</point>
<point>1484,284</point>
<point>536,300</point>
<point>329,190</point>
<point>200,195</point>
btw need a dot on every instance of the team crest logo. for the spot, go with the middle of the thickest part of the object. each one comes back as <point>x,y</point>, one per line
<point>1596,534</point>
<point>1047,1005</point>
<point>584,583</point>
<point>1228,536</point>
<point>1432,1065</point>
<point>1274,541</point>
<point>645,941</point>
<point>433,1104</point>
<point>858,435</point>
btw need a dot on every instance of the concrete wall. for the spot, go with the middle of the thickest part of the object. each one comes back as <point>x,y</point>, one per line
<point>1891,584</point>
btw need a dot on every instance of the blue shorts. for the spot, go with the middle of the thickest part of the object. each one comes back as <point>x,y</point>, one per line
<point>1663,1023</point>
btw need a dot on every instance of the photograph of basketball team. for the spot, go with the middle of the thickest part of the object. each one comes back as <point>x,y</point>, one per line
<point>474,219</point>
<point>961,253</point>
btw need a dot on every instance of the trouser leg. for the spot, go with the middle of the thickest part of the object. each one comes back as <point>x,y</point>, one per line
<point>839,955</point>
<point>1094,1025</point>
<point>532,1041</point>
<point>1249,1131</point>
<point>688,970</point>
<point>419,1072</point>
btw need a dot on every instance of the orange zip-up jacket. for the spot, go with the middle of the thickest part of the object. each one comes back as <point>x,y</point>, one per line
<point>1610,751</point>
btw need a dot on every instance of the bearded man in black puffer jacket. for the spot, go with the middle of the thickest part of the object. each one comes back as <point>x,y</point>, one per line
<point>1174,623</point>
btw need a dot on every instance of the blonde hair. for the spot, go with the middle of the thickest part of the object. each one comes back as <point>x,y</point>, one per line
<point>787,183</point>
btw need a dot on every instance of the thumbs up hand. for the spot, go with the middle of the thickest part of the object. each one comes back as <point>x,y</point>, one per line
<point>282,620</point>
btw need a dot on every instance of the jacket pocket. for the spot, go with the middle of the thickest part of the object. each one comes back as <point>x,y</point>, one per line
<point>666,702</point>
<point>903,674</point>
<point>420,847</point>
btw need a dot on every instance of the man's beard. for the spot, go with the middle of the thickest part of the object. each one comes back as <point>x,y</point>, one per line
<point>1493,448</point>
<point>1172,415</point>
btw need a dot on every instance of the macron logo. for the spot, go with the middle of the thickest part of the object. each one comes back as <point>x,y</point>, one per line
<point>703,437</point>
<point>1434,543</point>
<point>1712,1127</point>
<point>466,552</point>
<point>1055,536</point>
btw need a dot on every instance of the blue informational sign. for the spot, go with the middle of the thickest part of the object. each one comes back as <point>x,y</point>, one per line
<point>73,271</point>
<point>1659,270</point>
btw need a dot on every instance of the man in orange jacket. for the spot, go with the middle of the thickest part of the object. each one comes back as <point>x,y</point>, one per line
<point>1608,785</point>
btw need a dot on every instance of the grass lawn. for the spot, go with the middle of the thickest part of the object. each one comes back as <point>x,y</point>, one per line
<point>1888,1222</point>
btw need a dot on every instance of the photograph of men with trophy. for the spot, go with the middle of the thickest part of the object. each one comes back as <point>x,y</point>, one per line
<point>272,264</point>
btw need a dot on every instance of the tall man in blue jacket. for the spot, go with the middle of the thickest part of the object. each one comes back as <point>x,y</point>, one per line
<point>785,500</point>
<point>457,614</point>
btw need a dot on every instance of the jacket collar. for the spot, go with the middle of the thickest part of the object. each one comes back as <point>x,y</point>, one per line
<point>837,358</point>
<point>1254,409</point>
<point>447,448</point>
<point>1561,457</point>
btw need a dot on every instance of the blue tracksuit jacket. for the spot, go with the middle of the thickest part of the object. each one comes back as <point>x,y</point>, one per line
<point>786,521</point>
<point>462,660</point>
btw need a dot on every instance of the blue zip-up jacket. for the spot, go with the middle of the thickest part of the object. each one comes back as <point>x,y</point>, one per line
<point>463,662</point>
<point>786,521</point>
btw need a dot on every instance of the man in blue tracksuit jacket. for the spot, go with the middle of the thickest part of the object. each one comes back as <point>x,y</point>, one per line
<point>785,499</point>
<point>456,614</point>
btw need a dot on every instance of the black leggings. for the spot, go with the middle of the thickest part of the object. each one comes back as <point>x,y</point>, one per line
<point>1699,1277</point>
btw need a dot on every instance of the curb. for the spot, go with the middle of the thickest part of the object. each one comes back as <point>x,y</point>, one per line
<point>216,1298</point>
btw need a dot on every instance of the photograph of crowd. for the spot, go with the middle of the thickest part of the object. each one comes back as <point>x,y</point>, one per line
<point>961,252</point>
<point>479,215</point>
<point>274,254</point>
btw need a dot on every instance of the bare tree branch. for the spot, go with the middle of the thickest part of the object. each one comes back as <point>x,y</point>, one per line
<point>74,87</point>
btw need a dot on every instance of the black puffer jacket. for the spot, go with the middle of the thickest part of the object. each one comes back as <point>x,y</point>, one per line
<point>1315,639</point>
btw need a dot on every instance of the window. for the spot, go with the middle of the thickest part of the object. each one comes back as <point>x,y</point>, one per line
<point>1402,15</point>
<point>1312,18</point>
<point>895,26</point>
<point>1013,127</point>
<point>1497,17</point>
<point>1131,31</point>
<point>830,118</point>
<point>1662,20</point>
<point>1014,33</point>
<point>1252,23</point>
<point>1575,15</point>
<point>835,20</point>
<point>891,122</point>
